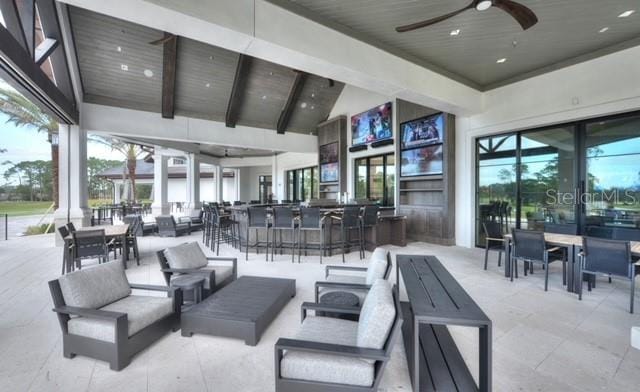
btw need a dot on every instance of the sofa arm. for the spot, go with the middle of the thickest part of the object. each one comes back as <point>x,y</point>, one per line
<point>233,260</point>
<point>326,308</point>
<point>343,268</point>
<point>328,348</point>
<point>89,313</point>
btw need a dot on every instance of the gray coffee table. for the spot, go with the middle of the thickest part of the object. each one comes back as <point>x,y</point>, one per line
<point>243,309</point>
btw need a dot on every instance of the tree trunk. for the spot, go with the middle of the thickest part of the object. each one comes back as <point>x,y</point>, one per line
<point>54,175</point>
<point>131,166</point>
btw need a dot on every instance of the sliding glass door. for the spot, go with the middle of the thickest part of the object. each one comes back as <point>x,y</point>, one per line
<point>585,173</point>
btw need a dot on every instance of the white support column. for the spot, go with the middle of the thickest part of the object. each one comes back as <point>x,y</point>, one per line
<point>72,184</point>
<point>117,192</point>
<point>160,204</point>
<point>193,183</point>
<point>236,178</point>
<point>219,179</point>
<point>275,188</point>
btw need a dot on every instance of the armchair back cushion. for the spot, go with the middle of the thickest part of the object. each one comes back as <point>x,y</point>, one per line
<point>377,316</point>
<point>186,256</point>
<point>95,287</point>
<point>377,266</point>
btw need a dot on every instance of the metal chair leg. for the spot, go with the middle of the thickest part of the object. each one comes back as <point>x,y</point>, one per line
<point>486,257</point>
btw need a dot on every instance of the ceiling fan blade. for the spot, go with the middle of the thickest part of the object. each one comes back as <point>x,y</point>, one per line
<point>519,12</point>
<point>429,22</point>
<point>162,40</point>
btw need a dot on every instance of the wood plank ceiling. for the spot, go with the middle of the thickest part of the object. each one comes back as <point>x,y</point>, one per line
<point>568,32</point>
<point>119,67</point>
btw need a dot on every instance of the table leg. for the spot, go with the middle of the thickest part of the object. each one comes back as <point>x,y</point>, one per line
<point>125,251</point>
<point>577,276</point>
<point>416,355</point>
<point>507,258</point>
<point>485,359</point>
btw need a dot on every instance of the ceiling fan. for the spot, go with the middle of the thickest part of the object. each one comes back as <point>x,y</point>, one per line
<point>519,12</point>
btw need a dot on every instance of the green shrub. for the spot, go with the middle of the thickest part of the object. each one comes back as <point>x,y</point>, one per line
<point>33,230</point>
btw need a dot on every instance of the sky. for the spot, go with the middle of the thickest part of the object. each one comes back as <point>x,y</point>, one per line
<point>27,144</point>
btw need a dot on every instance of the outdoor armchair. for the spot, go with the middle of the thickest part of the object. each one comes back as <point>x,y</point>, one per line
<point>357,280</point>
<point>330,354</point>
<point>102,319</point>
<point>167,226</point>
<point>188,258</point>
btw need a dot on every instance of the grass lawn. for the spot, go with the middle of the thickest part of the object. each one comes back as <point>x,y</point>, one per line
<point>21,208</point>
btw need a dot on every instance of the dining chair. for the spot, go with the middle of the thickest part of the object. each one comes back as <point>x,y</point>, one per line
<point>610,257</point>
<point>89,244</point>
<point>530,247</point>
<point>561,228</point>
<point>494,240</point>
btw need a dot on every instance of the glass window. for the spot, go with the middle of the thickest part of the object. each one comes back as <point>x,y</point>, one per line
<point>375,179</point>
<point>302,184</point>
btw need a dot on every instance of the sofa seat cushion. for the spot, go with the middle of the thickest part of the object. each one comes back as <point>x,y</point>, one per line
<point>329,368</point>
<point>141,311</point>
<point>96,286</point>
<point>377,266</point>
<point>186,256</point>
<point>223,272</point>
<point>345,279</point>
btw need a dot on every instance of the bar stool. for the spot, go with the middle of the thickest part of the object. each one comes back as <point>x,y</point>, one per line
<point>310,220</point>
<point>350,220</point>
<point>283,219</point>
<point>369,219</point>
<point>224,228</point>
<point>257,219</point>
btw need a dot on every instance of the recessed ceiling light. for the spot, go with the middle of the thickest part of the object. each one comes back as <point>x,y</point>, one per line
<point>502,60</point>
<point>455,32</point>
<point>207,85</point>
<point>148,73</point>
<point>124,67</point>
<point>626,14</point>
<point>264,97</point>
<point>313,107</point>
<point>210,57</point>
<point>303,105</point>
<point>313,95</point>
<point>603,30</point>
<point>484,5</point>
<point>119,49</point>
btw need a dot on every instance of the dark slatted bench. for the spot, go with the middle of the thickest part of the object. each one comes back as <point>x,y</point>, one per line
<point>436,300</point>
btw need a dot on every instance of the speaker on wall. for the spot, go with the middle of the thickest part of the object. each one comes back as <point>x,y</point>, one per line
<point>381,143</point>
<point>361,147</point>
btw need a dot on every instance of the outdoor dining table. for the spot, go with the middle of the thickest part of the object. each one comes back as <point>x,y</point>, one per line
<point>110,232</point>
<point>573,246</point>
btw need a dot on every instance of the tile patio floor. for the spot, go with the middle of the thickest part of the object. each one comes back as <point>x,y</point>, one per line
<point>542,341</point>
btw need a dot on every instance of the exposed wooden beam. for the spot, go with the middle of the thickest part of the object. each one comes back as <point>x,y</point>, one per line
<point>51,28</point>
<point>292,99</point>
<point>12,20</point>
<point>169,57</point>
<point>239,81</point>
<point>19,70</point>
<point>27,12</point>
<point>44,50</point>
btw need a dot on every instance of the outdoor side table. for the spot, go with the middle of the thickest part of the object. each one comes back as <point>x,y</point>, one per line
<point>342,298</point>
<point>190,282</point>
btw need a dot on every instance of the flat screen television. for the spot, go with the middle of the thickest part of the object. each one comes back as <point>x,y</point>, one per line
<point>329,172</point>
<point>329,153</point>
<point>422,131</point>
<point>421,161</point>
<point>371,126</point>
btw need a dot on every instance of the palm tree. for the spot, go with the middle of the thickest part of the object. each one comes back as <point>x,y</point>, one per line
<point>23,113</point>
<point>131,153</point>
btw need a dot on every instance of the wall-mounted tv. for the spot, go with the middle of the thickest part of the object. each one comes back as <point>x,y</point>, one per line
<point>329,153</point>
<point>329,172</point>
<point>422,131</point>
<point>422,161</point>
<point>373,125</point>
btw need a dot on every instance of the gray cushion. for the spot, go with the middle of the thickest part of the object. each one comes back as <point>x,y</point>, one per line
<point>96,286</point>
<point>141,311</point>
<point>222,273</point>
<point>377,265</point>
<point>377,316</point>
<point>327,367</point>
<point>186,256</point>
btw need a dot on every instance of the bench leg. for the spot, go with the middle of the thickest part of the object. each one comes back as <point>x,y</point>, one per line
<point>485,359</point>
